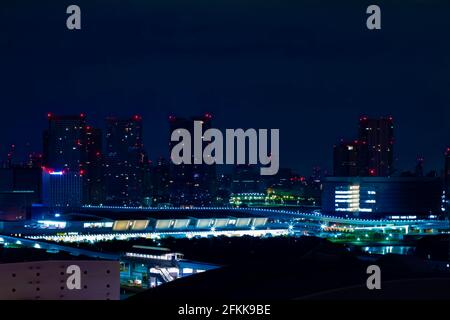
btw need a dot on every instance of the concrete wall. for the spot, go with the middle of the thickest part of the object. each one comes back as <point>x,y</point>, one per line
<point>47,280</point>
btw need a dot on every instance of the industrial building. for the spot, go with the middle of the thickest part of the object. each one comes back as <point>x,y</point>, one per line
<point>382,197</point>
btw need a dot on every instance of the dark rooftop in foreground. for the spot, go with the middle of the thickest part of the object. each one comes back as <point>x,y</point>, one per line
<point>321,271</point>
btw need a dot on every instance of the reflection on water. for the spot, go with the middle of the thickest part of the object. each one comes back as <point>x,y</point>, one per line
<point>406,250</point>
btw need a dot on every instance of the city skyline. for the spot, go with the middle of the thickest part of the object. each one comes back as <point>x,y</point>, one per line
<point>24,151</point>
<point>186,154</point>
<point>309,72</point>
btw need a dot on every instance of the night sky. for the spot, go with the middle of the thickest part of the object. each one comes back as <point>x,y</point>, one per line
<point>310,68</point>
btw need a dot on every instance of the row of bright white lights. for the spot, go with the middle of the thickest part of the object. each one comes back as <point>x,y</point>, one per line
<point>244,209</point>
<point>97,237</point>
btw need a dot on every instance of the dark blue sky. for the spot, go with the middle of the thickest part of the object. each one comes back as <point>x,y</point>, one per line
<point>310,68</point>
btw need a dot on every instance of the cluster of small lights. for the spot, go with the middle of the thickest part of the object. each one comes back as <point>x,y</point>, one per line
<point>167,257</point>
<point>74,237</point>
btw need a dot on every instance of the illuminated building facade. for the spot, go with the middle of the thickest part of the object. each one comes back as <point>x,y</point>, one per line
<point>371,154</point>
<point>377,139</point>
<point>65,142</point>
<point>248,199</point>
<point>74,148</point>
<point>94,187</point>
<point>191,184</point>
<point>147,267</point>
<point>355,198</point>
<point>126,162</point>
<point>382,197</point>
<point>62,189</point>
<point>160,178</point>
